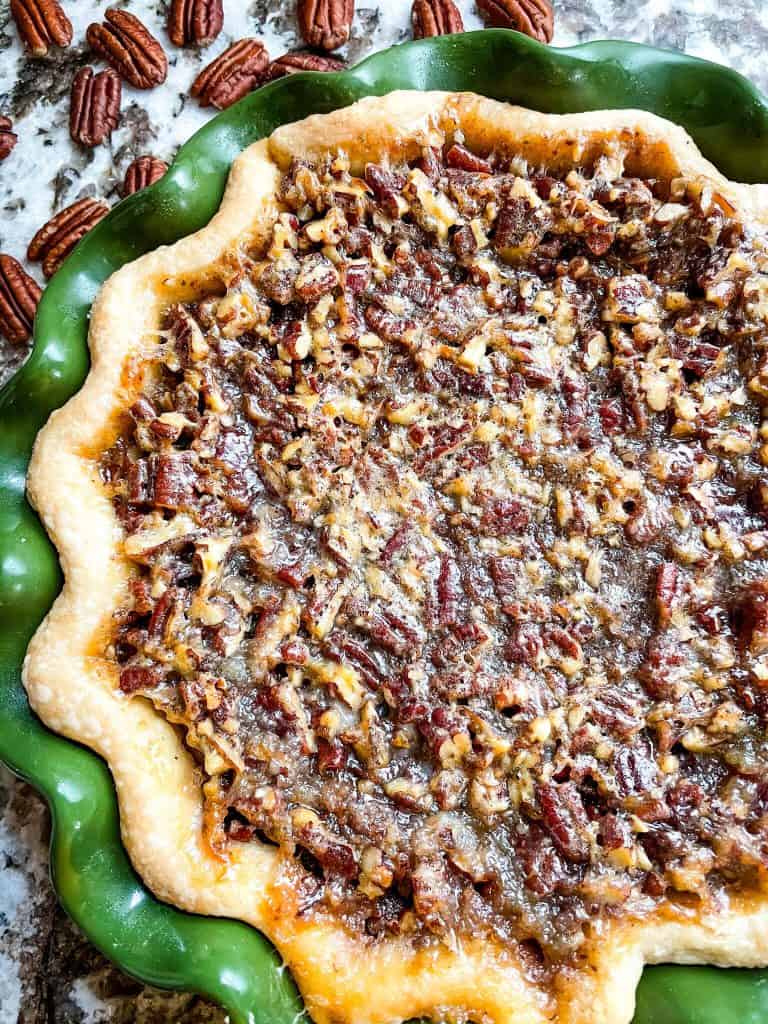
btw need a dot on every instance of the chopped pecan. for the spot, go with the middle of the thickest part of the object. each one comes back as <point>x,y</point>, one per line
<point>344,648</point>
<point>758,498</point>
<point>646,523</point>
<point>516,225</point>
<point>388,325</point>
<point>58,237</point>
<point>543,867</point>
<point>660,673</point>
<point>506,578</point>
<point>463,242</point>
<point>317,277</point>
<point>195,22</point>
<point>611,413</point>
<point>564,817</point>
<point>143,172</point>
<point>8,137</point>
<point>395,543</point>
<point>435,18</point>
<point>525,644</point>
<point>461,158</point>
<point>386,530</point>
<point>385,185</point>
<point>19,296</point>
<point>331,756</point>
<point>232,75</point>
<point>335,856</point>
<point>139,678</point>
<point>617,712</point>
<point>433,895</point>
<point>95,106</point>
<point>503,516</point>
<point>131,49</point>
<point>448,591</point>
<point>667,588</point>
<point>628,299</point>
<point>290,63</point>
<point>41,24</point>
<point>174,480</point>
<point>752,617</point>
<point>445,439</point>
<point>533,17</point>
<point>615,832</point>
<point>325,24</point>
<point>635,769</point>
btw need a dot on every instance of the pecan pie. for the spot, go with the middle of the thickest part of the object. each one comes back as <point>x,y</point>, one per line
<point>414,517</point>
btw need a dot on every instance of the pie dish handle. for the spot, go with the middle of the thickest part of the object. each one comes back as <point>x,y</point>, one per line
<point>224,960</point>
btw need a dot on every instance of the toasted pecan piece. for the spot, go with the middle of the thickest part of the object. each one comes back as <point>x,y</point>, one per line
<point>143,172</point>
<point>19,296</point>
<point>435,18</point>
<point>125,43</point>
<point>41,24</point>
<point>535,18</point>
<point>232,74</point>
<point>94,110</point>
<point>58,237</point>
<point>290,63</point>
<point>8,137</point>
<point>195,22</point>
<point>325,24</point>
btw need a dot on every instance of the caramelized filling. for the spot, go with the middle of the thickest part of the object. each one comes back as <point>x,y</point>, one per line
<point>448,527</point>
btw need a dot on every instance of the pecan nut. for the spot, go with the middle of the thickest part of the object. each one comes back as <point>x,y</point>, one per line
<point>41,24</point>
<point>130,48</point>
<point>56,239</point>
<point>19,296</point>
<point>290,63</point>
<point>8,137</point>
<point>532,17</point>
<point>435,18</point>
<point>325,24</point>
<point>195,22</point>
<point>94,109</point>
<point>143,172</point>
<point>233,74</point>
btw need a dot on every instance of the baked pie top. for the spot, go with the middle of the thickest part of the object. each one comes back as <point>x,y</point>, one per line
<point>423,494</point>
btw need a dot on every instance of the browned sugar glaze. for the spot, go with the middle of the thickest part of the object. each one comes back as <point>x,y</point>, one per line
<point>448,517</point>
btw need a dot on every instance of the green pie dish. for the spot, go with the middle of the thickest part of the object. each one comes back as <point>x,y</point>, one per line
<point>227,961</point>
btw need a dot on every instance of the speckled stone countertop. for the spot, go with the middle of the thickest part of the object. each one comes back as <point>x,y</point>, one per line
<point>49,974</point>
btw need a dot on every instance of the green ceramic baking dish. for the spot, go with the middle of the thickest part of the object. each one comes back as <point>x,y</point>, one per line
<point>224,960</point>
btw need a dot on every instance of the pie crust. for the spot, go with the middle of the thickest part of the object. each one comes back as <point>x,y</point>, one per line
<point>72,687</point>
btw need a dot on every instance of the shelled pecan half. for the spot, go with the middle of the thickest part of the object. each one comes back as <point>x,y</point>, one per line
<point>19,296</point>
<point>58,237</point>
<point>94,109</point>
<point>8,137</point>
<point>233,74</point>
<point>325,24</point>
<point>195,22</point>
<point>290,63</point>
<point>41,24</point>
<point>143,172</point>
<point>435,18</point>
<point>535,18</point>
<point>131,49</point>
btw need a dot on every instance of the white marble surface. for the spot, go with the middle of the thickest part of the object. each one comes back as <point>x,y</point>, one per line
<point>48,973</point>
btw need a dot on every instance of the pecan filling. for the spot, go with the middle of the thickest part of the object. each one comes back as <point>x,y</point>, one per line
<point>448,516</point>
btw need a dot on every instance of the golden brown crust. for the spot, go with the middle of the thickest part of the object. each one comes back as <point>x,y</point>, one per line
<point>158,790</point>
